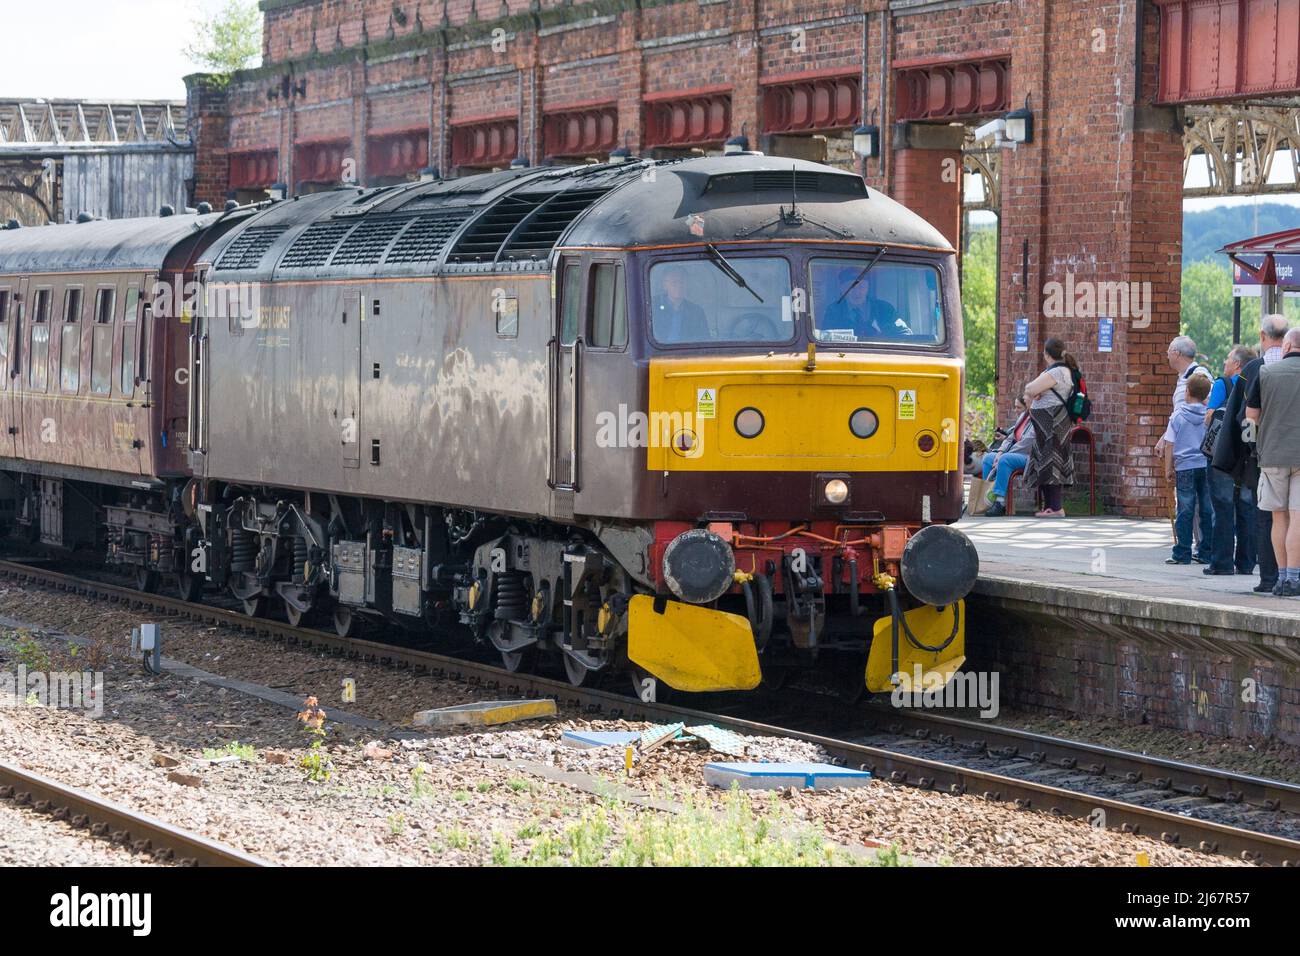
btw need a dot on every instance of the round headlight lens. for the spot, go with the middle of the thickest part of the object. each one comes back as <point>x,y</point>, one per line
<point>926,443</point>
<point>749,422</point>
<point>863,423</point>
<point>837,491</point>
<point>686,444</point>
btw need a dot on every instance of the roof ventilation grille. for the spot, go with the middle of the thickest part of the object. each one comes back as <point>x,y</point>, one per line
<point>426,238</point>
<point>246,249</point>
<point>538,236</point>
<point>316,245</point>
<point>366,244</point>
<point>484,239</point>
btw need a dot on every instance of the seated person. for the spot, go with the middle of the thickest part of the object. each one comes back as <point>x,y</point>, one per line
<point>856,312</point>
<point>1010,455</point>
<point>677,318</point>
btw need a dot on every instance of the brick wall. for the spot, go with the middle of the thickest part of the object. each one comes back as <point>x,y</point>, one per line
<point>1096,198</point>
<point>1051,666</point>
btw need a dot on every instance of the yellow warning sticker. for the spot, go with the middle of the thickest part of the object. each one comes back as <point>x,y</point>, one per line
<point>706,403</point>
<point>906,404</point>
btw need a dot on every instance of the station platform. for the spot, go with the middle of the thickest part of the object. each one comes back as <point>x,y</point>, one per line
<point>1111,572</point>
<point>1082,617</point>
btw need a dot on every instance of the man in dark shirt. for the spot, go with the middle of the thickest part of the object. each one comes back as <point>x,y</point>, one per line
<point>1234,453</point>
<point>1273,404</point>
<point>677,318</point>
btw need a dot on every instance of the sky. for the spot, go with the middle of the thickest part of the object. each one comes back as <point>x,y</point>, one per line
<point>131,49</point>
<point>96,49</point>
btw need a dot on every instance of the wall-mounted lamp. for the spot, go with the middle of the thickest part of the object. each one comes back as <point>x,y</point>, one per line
<point>1020,124</point>
<point>866,139</point>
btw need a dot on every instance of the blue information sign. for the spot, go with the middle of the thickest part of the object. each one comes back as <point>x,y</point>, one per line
<point>1105,334</point>
<point>1022,334</point>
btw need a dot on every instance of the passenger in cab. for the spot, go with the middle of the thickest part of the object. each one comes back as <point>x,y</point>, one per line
<point>677,318</point>
<point>854,310</point>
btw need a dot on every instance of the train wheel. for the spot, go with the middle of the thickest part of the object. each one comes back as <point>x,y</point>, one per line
<point>293,615</point>
<point>146,580</point>
<point>521,660</point>
<point>189,587</point>
<point>579,674</point>
<point>255,606</point>
<point>346,623</point>
<point>647,688</point>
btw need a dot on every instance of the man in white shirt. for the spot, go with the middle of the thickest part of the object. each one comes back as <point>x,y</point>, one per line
<point>1272,332</point>
<point>1182,359</point>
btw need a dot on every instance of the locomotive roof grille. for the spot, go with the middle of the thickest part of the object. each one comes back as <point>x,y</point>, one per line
<point>426,238</point>
<point>787,180</point>
<point>248,248</point>
<point>537,236</point>
<point>316,245</point>
<point>523,226</point>
<point>366,244</point>
<point>485,238</point>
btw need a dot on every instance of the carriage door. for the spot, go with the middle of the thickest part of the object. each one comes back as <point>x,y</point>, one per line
<point>9,293</point>
<point>15,328</point>
<point>349,344</point>
<point>566,369</point>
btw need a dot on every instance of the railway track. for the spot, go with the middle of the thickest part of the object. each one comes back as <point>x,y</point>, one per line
<point>1030,771</point>
<point>111,821</point>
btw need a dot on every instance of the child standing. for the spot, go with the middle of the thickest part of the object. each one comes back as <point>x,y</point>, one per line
<point>1187,464</point>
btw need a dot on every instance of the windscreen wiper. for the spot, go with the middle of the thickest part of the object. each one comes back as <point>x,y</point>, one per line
<point>861,275</point>
<point>721,262</point>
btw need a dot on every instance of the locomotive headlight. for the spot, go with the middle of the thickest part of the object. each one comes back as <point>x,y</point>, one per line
<point>863,423</point>
<point>836,491</point>
<point>749,422</point>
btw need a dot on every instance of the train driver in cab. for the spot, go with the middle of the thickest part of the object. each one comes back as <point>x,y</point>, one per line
<point>856,311</point>
<point>677,318</point>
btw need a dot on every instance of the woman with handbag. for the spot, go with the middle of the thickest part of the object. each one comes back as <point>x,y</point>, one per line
<point>1051,465</point>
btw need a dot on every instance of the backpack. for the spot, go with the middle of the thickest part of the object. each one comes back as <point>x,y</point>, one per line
<point>1078,405</point>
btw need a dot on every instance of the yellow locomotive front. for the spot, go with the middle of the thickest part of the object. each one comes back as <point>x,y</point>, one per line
<point>808,398</point>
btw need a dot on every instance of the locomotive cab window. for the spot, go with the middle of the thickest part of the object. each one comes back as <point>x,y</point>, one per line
<point>854,300</point>
<point>39,369</point>
<point>721,299</point>
<point>128,340</point>
<point>608,319</point>
<point>570,303</point>
<point>101,349</point>
<point>70,342</point>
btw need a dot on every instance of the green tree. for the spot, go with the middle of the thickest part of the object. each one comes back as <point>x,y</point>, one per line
<point>229,39</point>
<point>1207,308</point>
<point>979,306</point>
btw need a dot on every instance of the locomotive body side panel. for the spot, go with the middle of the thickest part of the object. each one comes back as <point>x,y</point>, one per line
<point>395,389</point>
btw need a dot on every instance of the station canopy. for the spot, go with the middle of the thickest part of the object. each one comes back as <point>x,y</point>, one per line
<point>1264,260</point>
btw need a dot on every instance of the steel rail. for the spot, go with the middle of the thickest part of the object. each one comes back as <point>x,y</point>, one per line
<point>103,818</point>
<point>1195,780</point>
<point>901,768</point>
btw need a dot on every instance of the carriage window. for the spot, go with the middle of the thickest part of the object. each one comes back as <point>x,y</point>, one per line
<point>38,376</point>
<point>70,342</point>
<point>101,346</point>
<point>895,302</point>
<point>608,308</point>
<point>129,313</point>
<point>4,338</point>
<point>569,296</point>
<point>698,301</point>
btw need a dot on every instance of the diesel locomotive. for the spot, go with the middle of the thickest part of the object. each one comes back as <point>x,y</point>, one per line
<point>693,421</point>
